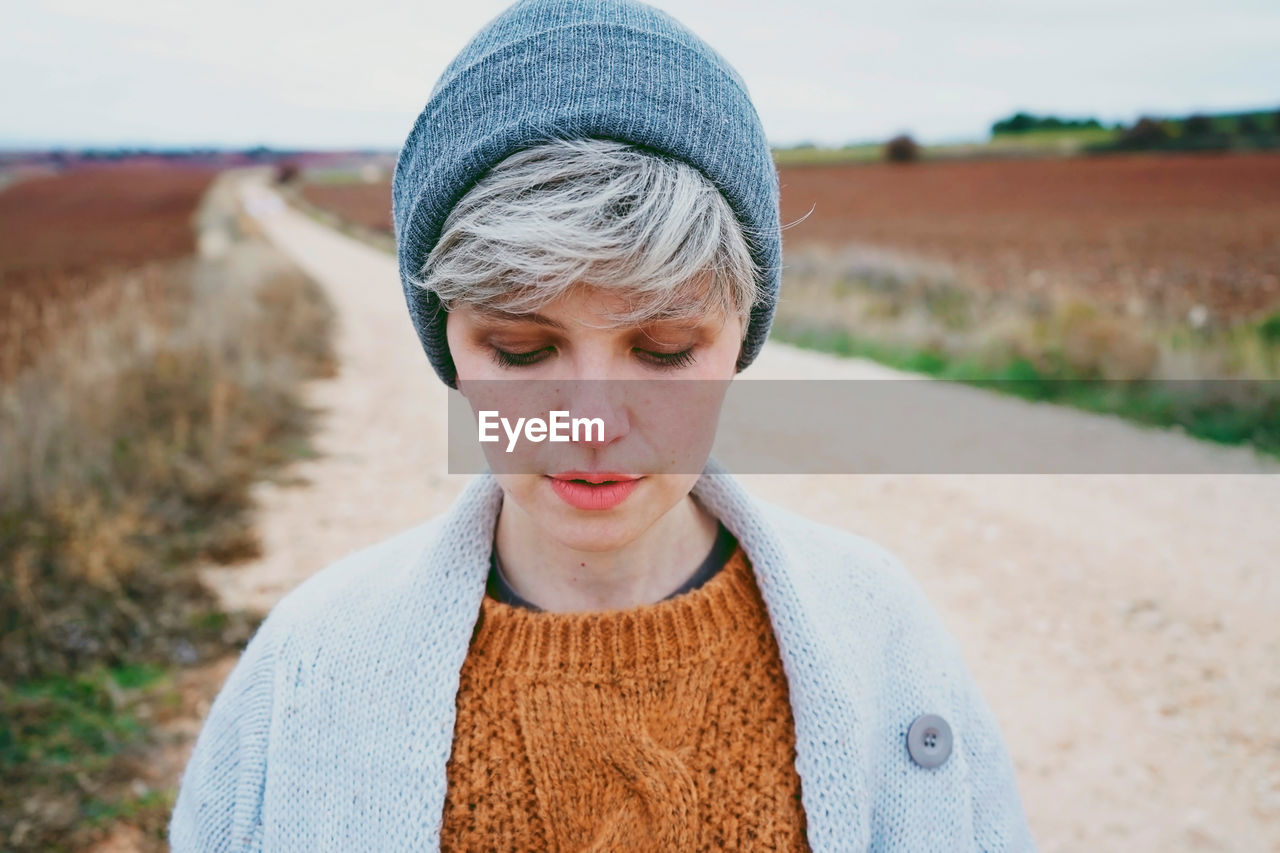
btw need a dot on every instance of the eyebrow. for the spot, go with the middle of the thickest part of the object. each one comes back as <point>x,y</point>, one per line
<point>678,323</point>
<point>511,317</point>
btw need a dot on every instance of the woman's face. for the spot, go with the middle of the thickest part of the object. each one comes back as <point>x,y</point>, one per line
<point>601,492</point>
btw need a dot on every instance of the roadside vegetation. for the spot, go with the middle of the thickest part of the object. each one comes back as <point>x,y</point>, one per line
<point>143,393</point>
<point>1217,383</point>
<point>355,202</point>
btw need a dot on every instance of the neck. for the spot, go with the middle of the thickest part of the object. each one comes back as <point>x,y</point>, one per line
<point>560,579</point>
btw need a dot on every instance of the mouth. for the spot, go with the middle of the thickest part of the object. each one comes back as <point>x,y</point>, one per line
<point>596,478</point>
<point>593,490</point>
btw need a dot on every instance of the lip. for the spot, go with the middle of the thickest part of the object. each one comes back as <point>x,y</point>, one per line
<point>593,490</point>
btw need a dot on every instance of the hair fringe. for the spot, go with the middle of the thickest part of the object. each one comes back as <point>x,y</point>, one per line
<point>595,212</point>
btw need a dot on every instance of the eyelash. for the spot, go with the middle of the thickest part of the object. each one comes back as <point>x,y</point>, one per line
<point>517,359</point>
<point>657,360</point>
<point>669,360</point>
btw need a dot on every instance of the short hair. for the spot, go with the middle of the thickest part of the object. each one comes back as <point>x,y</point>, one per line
<point>596,212</point>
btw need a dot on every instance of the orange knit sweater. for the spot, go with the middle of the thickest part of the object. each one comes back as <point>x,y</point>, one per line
<point>662,727</point>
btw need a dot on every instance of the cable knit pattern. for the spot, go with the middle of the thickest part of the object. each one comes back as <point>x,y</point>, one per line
<point>662,727</point>
<point>334,731</point>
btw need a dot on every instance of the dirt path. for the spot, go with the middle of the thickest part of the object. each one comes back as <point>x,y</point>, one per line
<point>1122,627</point>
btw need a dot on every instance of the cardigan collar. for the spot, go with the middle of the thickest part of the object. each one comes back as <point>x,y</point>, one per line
<point>827,753</point>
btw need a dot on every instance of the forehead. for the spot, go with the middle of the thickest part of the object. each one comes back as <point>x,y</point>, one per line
<point>609,307</point>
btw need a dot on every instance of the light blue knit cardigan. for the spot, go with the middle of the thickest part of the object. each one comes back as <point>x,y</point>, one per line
<point>334,729</point>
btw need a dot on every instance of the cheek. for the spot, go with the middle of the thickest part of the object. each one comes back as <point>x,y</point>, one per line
<point>468,360</point>
<point>722,355</point>
<point>667,490</point>
<point>521,488</point>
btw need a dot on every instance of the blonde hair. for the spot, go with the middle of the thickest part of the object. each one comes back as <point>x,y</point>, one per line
<point>595,212</point>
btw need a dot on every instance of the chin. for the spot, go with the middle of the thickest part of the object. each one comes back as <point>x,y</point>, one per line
<point>589,535</point>
<point>592,530</point>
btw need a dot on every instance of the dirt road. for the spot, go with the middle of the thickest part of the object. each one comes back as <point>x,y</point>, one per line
<point>1123,627</point>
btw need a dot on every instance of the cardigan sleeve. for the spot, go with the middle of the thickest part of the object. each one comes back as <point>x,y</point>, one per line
<point>219,803</point>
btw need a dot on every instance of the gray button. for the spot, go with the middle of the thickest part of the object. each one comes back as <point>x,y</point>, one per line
<point>929,740</point>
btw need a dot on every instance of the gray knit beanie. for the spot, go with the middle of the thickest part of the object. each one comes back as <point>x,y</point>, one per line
<point>612,69</point>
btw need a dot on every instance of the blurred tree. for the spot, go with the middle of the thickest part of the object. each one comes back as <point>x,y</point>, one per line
<point>902,149</point>
<point>1147,132</point>
<point>1023,122</point>
<point>1017,123</point>
<point>1198,125</point>
<point>287,172</point>
<point>1248,125</point>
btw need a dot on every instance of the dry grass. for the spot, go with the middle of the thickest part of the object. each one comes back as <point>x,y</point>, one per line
<point>883,297</point>
<point>1064,348</point>
<point>135,439</point>
<point>130,435</point>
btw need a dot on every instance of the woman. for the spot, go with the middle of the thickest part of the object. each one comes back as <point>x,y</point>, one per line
<point>594,651</point>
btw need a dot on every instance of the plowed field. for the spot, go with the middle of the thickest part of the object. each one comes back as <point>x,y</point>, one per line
<point>62,236</point>
<point>1170,231</point>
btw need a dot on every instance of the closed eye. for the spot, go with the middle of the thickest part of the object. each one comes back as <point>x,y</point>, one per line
<point>520,359</point>
<point>654,359</point>
<point>668,360</point>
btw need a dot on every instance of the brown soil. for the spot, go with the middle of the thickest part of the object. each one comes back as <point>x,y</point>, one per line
<point>1172,231</point>
<point>85,220</point>
<point>62,236</point>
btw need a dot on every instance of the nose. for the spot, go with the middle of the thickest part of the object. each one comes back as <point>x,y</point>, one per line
<point>602,404</point>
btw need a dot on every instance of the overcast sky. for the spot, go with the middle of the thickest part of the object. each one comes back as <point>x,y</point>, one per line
<point>324,74</point>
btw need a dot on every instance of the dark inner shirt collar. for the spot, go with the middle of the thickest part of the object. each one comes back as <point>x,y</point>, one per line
<point>498,588</point>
